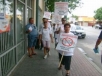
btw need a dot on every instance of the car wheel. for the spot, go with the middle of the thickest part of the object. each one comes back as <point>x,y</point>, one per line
<point>83,37</point>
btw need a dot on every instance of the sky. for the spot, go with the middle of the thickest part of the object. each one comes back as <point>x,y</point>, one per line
<point>88,8</point>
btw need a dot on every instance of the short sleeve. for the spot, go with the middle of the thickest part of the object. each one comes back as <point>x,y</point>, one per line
<point>41,30</point>
<point>100,36</point>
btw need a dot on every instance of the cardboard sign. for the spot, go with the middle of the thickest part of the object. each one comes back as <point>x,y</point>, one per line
<point>66,42</point>
<point>56,18</point>
<point>4,25</point>
<point>61,8</point>
<point>47,15</point>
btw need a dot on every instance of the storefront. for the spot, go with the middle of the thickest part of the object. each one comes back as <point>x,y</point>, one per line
<point>12,42</point>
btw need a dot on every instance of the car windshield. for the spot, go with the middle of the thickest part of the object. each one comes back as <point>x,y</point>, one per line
<point>78,28</point>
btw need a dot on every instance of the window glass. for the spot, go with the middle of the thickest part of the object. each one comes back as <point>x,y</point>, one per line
<point>7,37</point>
<point>29,14</point>
<point>29,3</point>
<point>20,21</point>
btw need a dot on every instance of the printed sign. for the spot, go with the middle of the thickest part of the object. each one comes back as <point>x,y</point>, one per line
<point>4,26</point>
<point>56,18</point>
<point>61,8</point>
<point>47,15</point>
<point>66,42</point>
<point>2,15</point>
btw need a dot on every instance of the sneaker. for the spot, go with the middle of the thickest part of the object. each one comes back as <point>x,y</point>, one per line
<point>49,53</point>
<point>45,56</point>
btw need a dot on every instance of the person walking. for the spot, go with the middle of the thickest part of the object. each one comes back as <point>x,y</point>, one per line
<point>56,35</point>
<point>45,36</point>
<point>32,32</point>
<point>66,61</point>
<point>99,40</point>
<point>44,20</point>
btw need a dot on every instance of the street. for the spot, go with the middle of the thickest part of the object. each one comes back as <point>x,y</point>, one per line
<point>86,45</point>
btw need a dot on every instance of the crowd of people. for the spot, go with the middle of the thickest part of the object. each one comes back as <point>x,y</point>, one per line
<point>46,34</point>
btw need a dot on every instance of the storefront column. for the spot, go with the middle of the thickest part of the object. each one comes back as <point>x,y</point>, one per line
<point>37,11</point>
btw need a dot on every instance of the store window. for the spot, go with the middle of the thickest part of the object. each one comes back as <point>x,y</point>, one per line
<point>29,3</point>
<point>29,13</point>
<point>7,37</point>
<point>20,15</point>
<point>23,1</point>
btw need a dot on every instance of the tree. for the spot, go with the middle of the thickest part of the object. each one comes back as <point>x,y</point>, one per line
<point>72,4</point>
<point>74,16</point>
<point>98,14</point>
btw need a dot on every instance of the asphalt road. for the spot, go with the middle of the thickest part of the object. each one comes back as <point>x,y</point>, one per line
<point>88,44</point>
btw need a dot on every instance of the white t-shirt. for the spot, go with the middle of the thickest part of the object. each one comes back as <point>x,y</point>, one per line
<point>73,27</point>
<point>71,50</point>
<point>45,34</point>
<point>61,28</point>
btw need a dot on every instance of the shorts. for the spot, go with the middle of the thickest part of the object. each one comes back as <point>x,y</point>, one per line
<point>46,43</point>
<point>100,36</point>
<point>32,41</point>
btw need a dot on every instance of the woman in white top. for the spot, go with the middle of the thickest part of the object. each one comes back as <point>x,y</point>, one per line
<point>46,37</point>
<point>67,55</point>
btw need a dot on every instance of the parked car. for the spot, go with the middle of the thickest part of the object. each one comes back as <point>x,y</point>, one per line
<point>97,26</point>
<point>80,32</point>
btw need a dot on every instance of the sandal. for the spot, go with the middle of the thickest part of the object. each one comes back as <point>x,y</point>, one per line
<point>34,54</point>
<point>30,56</point>
<point>67,74</point>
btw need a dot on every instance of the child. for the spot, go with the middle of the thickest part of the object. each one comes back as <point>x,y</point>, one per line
<point>46,37</point>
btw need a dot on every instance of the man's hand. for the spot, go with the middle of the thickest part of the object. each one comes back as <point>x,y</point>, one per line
<point>28,31</point>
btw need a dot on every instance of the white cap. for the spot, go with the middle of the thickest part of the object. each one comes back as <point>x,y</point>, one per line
<point>45,17</point>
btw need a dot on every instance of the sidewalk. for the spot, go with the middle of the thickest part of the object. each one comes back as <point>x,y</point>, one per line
<point>37,66</point>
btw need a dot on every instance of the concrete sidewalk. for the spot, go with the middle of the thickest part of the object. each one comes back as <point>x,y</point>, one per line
<point>37,66</point>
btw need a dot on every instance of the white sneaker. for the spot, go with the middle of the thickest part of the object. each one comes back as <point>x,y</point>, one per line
<point>49,53</point>
<point>45,56</point>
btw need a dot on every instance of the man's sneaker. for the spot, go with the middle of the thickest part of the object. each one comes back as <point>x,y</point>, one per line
<point>45,56</point>
<point>49,53</point>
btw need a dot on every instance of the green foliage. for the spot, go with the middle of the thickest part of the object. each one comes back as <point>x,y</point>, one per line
<point>98,14</point>
<point>74,16</point>
<point>72,4</point>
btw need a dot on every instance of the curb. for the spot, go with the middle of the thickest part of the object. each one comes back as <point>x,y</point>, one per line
<point>92,63</point>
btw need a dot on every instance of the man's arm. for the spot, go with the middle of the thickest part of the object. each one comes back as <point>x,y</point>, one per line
<point>27,29</point>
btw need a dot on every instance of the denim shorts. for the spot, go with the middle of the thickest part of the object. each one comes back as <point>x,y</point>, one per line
<point>32,41</point>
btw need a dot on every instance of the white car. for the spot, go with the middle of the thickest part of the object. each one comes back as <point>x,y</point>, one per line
<point>80,32</point>
<point>97,26</point>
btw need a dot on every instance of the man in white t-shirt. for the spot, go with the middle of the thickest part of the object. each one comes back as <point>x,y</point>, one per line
<point>60,28</point>
<point>73,27</point>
